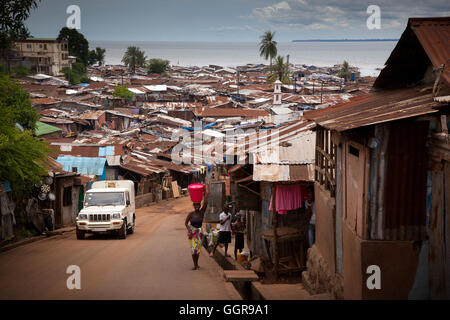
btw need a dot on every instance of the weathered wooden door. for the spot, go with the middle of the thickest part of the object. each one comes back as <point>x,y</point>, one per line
<point>355,164</point>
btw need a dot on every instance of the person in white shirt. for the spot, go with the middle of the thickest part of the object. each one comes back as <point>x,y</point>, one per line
<point>225,230</point>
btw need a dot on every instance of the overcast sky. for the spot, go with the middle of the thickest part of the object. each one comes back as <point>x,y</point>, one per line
<point>230,20</point>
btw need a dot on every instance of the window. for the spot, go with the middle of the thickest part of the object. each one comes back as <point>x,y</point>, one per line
<point>28,46</point>
<point>354,151</point>
<point>45,46</point>
<point>67,196</point>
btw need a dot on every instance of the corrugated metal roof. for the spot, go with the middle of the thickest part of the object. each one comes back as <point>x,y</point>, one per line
<point>434,36</point>
<point>84,165</point>
<point>230,112</point>
<point>377,107</point>
<point>92,115</point>
<point>425,42</point>
<point>43,128</point>
<point>298,150</point>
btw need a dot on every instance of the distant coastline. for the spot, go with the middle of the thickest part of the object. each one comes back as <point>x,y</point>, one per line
<point>345,40</point>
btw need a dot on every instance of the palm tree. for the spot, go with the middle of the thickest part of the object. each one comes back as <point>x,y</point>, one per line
<point>345,72</point>
<point>100,55</point>
<point>134,57</point>
<point>268,46</point>
<point>280,71</point>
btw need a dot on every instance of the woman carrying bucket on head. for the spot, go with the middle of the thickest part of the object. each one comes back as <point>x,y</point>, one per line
<point>194,220</point>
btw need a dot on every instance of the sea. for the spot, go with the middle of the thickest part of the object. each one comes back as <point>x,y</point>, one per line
<point>368,56</point>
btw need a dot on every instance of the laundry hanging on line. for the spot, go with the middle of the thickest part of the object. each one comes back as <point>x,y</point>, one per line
<point>288,197</point>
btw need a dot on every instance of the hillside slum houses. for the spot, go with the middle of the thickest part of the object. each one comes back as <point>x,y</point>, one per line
<point>371,154</point>
<point>94,135</point>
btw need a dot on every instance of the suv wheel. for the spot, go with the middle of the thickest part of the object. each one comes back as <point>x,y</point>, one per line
<point>80,234</point>
<point>123,230</point>
<point>131,229</point>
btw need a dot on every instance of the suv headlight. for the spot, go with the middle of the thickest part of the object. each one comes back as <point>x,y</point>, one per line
<point>116,216</point>
<point>82,216</point>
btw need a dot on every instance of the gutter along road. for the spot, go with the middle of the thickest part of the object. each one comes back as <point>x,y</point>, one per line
<point>153,263</point>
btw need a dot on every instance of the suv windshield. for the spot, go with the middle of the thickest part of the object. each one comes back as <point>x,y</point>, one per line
<point>104,199</point>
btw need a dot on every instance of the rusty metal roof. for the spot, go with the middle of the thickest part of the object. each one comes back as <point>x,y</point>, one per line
<point>230,112</point>
<point>376,107</point>
<point>434,36</point>
<point>425,42</point>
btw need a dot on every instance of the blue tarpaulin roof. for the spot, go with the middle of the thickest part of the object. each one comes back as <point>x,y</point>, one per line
<point>106,151</point>
<point>209,125</point>
<point>84,165</point>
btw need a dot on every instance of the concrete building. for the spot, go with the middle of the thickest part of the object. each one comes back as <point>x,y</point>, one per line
<point>47,56</point>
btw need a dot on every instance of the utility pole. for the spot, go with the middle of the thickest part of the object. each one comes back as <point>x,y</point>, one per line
<point>321,89</point>
<point>237,82</point>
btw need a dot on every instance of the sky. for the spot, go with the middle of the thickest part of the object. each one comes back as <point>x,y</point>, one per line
<point>230,20</point>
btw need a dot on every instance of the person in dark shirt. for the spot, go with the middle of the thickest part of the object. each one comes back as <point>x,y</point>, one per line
<point>193,223</point>
<point>238,228</point>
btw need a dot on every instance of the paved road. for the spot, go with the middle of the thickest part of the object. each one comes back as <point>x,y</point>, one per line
<point>152,263</point>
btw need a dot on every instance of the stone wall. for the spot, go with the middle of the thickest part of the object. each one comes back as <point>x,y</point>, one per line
<point>318,279</point>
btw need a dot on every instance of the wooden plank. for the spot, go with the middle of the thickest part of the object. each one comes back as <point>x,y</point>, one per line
<point>275,234</point>
<point>436,267</point>
<point>447,227</point>
<point>175,190</point>
<point>240,275</point>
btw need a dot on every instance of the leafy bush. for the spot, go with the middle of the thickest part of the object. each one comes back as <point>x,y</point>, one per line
<point>77,74</point>
<point>123,92</point>
<point>21,155</point>
<point>20,71</point>
<point>159,66</point>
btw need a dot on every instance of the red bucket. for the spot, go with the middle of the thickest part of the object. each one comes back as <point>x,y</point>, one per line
<point>196,192</point>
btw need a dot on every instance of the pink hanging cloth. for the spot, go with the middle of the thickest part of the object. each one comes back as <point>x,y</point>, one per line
<point>289,197</point>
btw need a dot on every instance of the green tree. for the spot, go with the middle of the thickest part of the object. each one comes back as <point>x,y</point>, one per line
<point>279,71</point>
<point>123,92</point>
<point>78,45</point>
<point>92,57</point>
<point>12,17</point>
<point>268,46</point>
<point>97,56</point>
<point>20,71</point>
<point>345,72</point>
<point>134,57</point>
<point>100,55</point>
<point>77,74</point>
<point>21,155</point>
<point>159,66</point>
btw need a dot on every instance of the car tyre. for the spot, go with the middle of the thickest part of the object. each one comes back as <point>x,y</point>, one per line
<point>131,229</point>
<point>123,230</point>
<point>80,234</point>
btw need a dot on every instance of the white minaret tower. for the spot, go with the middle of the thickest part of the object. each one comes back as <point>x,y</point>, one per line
<point>277,93</point>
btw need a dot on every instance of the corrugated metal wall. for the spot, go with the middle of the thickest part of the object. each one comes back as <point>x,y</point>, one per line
<point>406,176</point>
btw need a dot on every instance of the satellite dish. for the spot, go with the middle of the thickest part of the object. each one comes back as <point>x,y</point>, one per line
<point>51,197</point>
